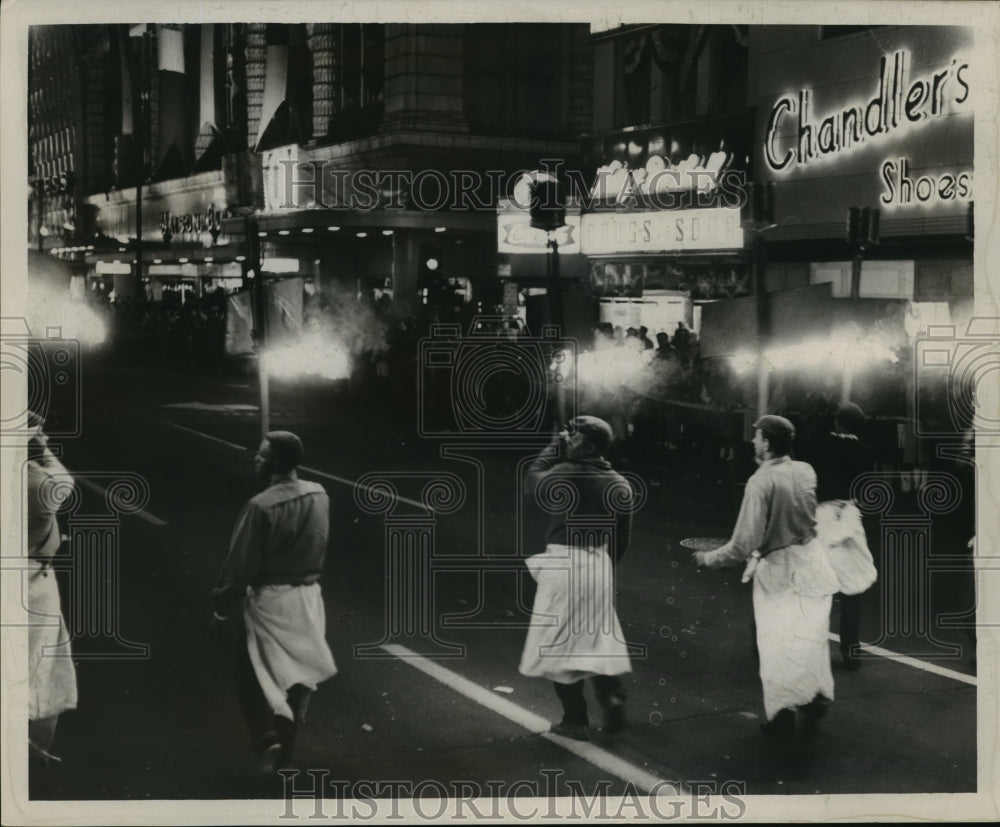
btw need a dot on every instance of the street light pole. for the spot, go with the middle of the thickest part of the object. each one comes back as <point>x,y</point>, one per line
<point>142,136</point>
<point>555,286</point>
<point>759,213</point>
<point>763,324</point>
<point>258,317</point>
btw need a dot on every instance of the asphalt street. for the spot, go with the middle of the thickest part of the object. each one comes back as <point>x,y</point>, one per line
<point>428,688</point>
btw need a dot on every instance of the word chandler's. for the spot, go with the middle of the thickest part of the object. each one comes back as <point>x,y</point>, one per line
<point>897,103</point>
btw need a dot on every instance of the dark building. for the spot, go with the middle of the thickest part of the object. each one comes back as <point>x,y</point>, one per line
<point>352,143</point>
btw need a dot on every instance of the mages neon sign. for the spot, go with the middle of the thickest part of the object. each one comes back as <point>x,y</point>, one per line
<point>899,104</point>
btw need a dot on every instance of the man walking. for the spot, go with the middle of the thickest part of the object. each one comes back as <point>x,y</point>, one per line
<point>793,582</point>
<point>574,632</point>
<point>839,459</point>
<point>275,560</point>
<point>51,675</point>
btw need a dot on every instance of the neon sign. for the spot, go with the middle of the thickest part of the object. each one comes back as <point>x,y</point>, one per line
<point>898,102</point>
<point>901,190</point>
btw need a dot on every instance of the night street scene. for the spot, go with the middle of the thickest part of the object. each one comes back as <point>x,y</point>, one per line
<point>505,421</point>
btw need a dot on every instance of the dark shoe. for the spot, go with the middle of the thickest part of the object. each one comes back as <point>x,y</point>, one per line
<point>812,713</point>
<point>578,732</point>
<point>781,725</point>
<point>614,718</point>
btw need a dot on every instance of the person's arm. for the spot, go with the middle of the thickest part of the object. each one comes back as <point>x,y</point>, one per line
<point>748,533</point>
<point>243,561</point>
<point>41,453</point>
<point>542,464</point>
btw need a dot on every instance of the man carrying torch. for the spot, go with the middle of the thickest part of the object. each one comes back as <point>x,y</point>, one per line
<point>793,583</point>
<point>575,632</point>
<point>275,562</point>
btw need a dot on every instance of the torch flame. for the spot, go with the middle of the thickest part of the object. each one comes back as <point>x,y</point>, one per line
<point>324,356</point>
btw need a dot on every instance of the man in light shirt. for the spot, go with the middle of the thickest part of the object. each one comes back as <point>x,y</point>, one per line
<point>275,560</point>
<point>793,584</point>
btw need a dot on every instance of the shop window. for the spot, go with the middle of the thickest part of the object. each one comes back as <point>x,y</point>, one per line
<point>717,279</point>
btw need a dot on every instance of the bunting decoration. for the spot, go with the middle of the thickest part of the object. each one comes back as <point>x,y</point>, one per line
<point>174,134</point>
<point>275,78</point>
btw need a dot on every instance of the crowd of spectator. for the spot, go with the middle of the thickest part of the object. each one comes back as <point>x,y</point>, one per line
<point>179,330</point>
<point>658,393</point>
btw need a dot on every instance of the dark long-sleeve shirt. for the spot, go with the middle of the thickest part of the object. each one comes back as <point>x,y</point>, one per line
<point>280,538</point>
<point>600,509</point>
<point>839,459</point>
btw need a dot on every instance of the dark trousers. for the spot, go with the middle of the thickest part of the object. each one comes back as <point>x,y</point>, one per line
<point>266,728</point>
<point>850,624</point>
<point>607,688</point>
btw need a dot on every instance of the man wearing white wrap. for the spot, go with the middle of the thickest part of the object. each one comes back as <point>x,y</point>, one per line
<point>275,560</point>
<point>793,582</point>
<point>575,632</point>
<point>51,674</point>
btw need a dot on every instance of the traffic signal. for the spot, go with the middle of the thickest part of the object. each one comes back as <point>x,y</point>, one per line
<point>758,208</point>
<point>863,226</point>
<point>548,212</point>
<point>431,266</point>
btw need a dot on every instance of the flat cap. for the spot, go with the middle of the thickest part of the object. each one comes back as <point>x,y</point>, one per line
<point>774,424</point>
<point>850,416</point>
<point>597,431</point>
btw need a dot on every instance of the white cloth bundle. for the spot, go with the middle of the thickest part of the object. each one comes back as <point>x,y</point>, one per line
<point>840,532</point>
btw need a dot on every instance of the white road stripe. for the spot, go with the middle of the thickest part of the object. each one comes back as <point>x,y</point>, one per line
<point>205,436</point>
<point>916,663</point>
<point>142,515</point>
<point>314,471</point>
<point>600,758</point>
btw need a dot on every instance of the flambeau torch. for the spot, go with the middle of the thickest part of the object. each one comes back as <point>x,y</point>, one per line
<point>548,214</point>
<point>560,368</point>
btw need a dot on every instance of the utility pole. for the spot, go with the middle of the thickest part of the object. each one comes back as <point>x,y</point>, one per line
<point>862,233</point>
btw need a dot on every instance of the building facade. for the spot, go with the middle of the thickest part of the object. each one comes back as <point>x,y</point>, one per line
<point>667,159</point>
<point>364,151</point>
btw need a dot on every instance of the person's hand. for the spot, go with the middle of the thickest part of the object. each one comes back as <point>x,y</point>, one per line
<point>37,425</point>
<point>701,558</point>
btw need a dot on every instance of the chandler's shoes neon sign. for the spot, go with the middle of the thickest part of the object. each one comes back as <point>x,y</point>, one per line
<point>901,189</point>
<point>898,103</point>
